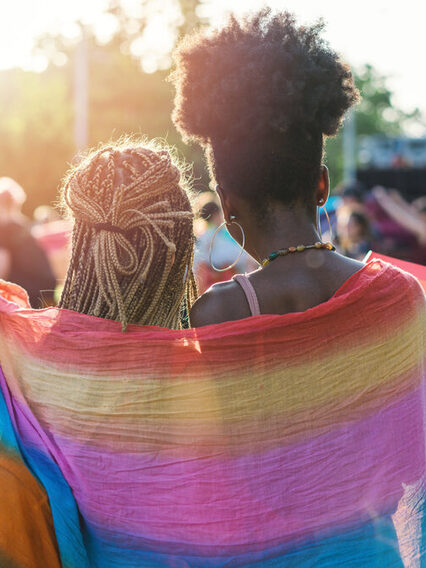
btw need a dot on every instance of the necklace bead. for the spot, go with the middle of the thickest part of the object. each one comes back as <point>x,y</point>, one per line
<point>300,248</point>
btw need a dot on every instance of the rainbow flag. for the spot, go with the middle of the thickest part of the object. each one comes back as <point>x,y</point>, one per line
<point>275,441</point>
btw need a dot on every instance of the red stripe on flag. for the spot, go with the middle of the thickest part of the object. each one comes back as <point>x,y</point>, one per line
<point>417,270</point>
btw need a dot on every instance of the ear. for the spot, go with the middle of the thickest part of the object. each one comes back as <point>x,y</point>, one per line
<point>225,203</point>
<point>323,188</point>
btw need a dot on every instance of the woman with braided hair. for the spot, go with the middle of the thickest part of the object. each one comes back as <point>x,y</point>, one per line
<point>132,245</point>
<point>132,253</point>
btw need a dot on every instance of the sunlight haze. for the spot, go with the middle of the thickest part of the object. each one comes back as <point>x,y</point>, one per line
<point>390,36</point>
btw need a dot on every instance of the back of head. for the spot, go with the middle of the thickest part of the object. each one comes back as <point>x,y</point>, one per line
<point>352,192</point>
<point>260,94</point>
<point>132,245</point>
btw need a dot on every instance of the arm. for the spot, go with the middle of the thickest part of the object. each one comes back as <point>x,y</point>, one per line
<point>205,310</point>
<point>405,216</point>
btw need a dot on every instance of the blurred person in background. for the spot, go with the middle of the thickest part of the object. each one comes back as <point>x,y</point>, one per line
<point>22,259</point>
<point>352,195</point>
<point>352,232</point>
<point>356,240</point>
<point>400,225</point>
<point>45,214</point>
<point>53,234</point>
<point>215,248</point>
<point>382,220</point>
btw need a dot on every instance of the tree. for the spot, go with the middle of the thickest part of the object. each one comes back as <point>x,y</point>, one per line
<point>36,125</point>
<point>35,131</point>
<point>375,114</point>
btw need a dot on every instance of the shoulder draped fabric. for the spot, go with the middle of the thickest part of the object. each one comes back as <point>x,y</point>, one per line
<point>275,441</point>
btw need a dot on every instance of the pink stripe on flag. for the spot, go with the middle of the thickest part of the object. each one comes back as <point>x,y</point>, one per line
<point>219,500</point>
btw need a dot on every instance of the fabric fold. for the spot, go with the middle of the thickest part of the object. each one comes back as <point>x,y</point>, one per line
<point>295,440</point>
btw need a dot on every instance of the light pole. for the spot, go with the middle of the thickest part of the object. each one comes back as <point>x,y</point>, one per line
<point>81,89</point>
<point>349,149</point>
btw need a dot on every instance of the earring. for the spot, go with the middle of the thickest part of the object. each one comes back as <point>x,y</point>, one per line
<point>232,219</point>
<point>321,203</point>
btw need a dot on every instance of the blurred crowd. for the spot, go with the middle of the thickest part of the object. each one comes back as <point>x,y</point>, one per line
<point>34,253</point>
<point>380,220</point>
<point>357,221</point>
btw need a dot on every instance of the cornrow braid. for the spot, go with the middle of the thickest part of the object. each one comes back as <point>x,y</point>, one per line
<point>133,240</point>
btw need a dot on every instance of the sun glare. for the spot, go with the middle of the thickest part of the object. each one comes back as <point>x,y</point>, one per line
<point>372,32</point>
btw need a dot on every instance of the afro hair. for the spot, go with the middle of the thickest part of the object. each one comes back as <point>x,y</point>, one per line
<point>260,94</point>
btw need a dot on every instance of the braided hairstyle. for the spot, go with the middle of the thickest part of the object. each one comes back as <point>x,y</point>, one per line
<point>133,241</point>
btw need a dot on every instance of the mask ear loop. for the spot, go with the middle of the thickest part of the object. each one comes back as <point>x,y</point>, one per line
<point>319,222</point>
<point>232,219</point>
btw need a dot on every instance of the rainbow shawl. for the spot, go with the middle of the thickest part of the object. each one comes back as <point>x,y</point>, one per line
<point>275,441</point>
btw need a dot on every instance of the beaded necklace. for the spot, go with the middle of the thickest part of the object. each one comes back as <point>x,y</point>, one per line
<point>300,248</point>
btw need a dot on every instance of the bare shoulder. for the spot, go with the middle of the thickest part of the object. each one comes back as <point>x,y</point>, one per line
<point>224,301</point>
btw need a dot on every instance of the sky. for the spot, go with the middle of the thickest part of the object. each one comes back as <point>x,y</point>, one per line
<point>387,34</point>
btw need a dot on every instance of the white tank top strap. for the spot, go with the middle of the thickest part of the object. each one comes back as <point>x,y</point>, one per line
<point>250,293</point>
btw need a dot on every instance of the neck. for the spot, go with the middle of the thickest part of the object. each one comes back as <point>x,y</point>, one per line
<point>281,229</point>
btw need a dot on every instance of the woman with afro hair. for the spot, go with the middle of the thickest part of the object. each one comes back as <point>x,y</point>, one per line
<point>261,95</point>
<point>333,364</point>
